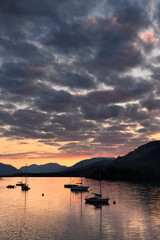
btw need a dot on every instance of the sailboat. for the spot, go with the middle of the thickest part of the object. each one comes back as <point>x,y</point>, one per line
<point>97,199</point>
<point>20,183</point>
<point>69,185</point>
<point>25,186</point>
<point>10,186</point>
<point>79,187</point>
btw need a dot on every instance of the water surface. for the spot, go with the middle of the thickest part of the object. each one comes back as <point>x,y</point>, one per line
<point>61,214</point>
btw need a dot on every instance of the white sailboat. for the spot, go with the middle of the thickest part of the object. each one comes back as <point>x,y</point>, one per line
<point>97,199</point>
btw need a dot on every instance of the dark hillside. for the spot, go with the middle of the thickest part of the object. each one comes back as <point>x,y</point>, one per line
<point>145,157</point>
<point>141,164</point>
<point>6,170</point>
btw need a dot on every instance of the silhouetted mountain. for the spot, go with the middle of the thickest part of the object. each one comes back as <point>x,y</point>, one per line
<point>144,160</point>
<point>46,168</point>
<point>56,168</point>
<point>6,170</point>
<point>145,157</point>
<point>141,164</point>
<point>85,167</point>
<point>92,162</point>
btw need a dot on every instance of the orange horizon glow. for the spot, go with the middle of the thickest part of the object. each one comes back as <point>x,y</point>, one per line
<point>18,153</point>
<point>67,161</point>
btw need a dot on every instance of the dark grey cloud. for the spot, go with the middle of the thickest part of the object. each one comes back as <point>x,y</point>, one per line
<point>58,101</point>
<point>101,112</point>
<point>72,37</point>
<point>132,13</point>
<point>84,73</point>
<point>114,112</point>
<point>31,8</point>
<point>29,118</point>
<point>123,93</point>
<point>5,118</point>
<point>21,49</point>
<point>151,104</point>
<point>77,122</point>
<point>118,58</point>
<point>156,73</point>
<point>101,43</point>
<point>157,12</point>
<point>73,80</point>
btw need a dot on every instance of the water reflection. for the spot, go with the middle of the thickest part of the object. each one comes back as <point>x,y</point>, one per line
<point>62,214</point>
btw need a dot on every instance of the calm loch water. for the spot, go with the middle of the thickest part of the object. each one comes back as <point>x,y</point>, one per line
<point>61,214</point>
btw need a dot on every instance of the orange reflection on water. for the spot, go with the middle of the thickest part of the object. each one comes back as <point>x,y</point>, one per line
<point>62,214</point>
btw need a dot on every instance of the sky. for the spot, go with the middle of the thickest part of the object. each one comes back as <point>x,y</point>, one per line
<point>78,79</point>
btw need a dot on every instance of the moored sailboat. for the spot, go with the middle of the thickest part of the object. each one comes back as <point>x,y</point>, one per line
<point>25,186</point>
<point>10,186</point>
<point>69,185</point>
<point>97,199</point>
<point>79,187</point>
<point>19,183</point>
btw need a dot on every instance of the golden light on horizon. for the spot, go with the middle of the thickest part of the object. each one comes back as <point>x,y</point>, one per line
<point>155,137</point>
<point>19,152</point>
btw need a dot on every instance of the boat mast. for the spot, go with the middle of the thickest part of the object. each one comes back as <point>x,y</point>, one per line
<point>100,182</point>
<point>81,173</point>
<point>26,175</point>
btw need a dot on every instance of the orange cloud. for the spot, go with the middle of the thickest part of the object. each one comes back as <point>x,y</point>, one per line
<point>148,37</point>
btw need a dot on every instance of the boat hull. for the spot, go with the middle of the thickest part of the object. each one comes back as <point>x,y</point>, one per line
<point>25,187</point>
<point>97,201</point>
<point>10,186</point>
<point>69,185</point>
<point>19,184</point>
<point>79,188</point>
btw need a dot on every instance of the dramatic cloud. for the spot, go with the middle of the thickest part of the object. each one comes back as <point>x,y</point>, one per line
<point>80,76</point>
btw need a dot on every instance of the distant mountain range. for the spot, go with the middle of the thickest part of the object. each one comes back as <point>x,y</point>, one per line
<point>54,167</point>
<point>92,162</point>
<point>46,168</point>
<point>144,158</point>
